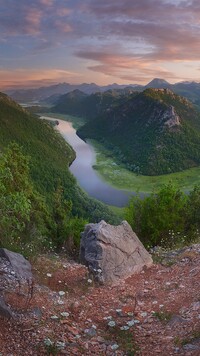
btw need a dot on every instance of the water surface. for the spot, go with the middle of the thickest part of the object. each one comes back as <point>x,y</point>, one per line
<point>82,169</point>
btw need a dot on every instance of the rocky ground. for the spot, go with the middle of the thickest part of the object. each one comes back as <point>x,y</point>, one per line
<point>154,312</point>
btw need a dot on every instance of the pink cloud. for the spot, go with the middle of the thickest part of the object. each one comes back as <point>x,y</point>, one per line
<point>124,66</point>
<point>33,21</point>
<point>34,78</point>
<point>47,2</point>
<point>63,11</point>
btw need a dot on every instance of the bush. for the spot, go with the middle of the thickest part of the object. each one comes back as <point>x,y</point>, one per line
<point>166,218</point>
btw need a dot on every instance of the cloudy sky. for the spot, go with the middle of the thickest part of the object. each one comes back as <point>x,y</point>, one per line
<point>43,42</point>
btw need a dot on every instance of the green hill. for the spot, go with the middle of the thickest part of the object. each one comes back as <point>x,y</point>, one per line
<point>154,132</point>
<point>89,106</point>
<point>50,157</point>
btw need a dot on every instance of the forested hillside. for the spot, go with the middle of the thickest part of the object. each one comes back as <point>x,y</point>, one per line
<point>38,148</point>
<point>154,132</point>
<point>89,107</point>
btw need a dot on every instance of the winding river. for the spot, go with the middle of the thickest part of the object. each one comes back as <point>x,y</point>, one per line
<point>82,168</point>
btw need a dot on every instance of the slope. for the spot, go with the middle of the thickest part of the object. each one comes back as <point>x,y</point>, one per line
<point>50,157</point>
<point>89,106</point>
<point>155,132</point>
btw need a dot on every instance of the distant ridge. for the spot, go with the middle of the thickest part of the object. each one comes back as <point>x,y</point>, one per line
<point>78,103</point>
<point>50,94</point>
<point>40,94</point>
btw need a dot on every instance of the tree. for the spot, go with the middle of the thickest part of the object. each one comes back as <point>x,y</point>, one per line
<point>15,191</point>
<point>155,216</point>
<point>67,228</point>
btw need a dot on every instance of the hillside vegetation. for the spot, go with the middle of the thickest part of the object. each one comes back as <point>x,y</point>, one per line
<point>154,132</point>
<point>35,180</point>
<point>89,107</point>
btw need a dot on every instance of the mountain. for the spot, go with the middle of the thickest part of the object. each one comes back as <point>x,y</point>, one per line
<point>154,132</point>
<point>158,83</point>
<point>190,90</point>
<point>78,103</point>
<point>43,93</point>
<point>50,157</point>
<point>50,94</point>
<point>70,103</point>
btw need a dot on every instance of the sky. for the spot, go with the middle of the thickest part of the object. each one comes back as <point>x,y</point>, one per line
<point>44,42</point>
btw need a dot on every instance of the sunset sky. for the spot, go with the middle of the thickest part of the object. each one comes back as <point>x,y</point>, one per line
<point>43,42</point>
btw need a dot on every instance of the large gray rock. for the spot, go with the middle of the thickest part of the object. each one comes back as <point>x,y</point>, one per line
<point>19,264</point>
<point>112,252</point>
<point>14,269</point>
<point>5,311</point>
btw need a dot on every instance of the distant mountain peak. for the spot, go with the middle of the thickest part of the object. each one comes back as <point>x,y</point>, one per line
<point>158,83</point>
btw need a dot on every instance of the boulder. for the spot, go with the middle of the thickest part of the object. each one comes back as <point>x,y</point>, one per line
<point>112,252</point>
<point>14,269</point>
<point>19,264</point>
<point>5,311</point>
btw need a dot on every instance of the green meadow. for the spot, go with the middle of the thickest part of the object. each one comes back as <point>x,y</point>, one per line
<point>75,120</point>
<point>121,178</point>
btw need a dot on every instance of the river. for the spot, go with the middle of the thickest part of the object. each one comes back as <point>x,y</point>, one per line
<point>82,168</point>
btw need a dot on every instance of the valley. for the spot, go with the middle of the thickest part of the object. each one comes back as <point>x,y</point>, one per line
<point>82,167</point>
<point>117,175</point>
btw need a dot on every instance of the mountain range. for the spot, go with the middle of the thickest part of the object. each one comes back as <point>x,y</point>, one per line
<point>42,94</point>
<point>50,94</point>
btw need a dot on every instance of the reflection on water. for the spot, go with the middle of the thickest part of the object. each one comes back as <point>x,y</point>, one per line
<point>82,169</point>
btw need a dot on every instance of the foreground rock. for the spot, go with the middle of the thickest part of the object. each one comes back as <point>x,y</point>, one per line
<point>19,264</point>
<point>111,252</point>
<point>14,268</point>
<point>5,311</point>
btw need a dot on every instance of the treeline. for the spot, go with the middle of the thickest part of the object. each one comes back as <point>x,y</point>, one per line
<point>168,218</point>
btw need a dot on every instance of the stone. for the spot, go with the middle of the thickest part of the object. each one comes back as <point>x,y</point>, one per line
<point>18,268</point>
<point>112,253</point>
<point>19,264</point>
<point>5,312</point>
<point>91,332</point>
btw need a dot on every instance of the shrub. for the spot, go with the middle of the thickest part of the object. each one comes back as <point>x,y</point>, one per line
<point>166,218</point>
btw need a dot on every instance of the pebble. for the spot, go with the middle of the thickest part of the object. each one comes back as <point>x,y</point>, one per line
<point>132,322</point>
<point>90,332</point>
<point>61,293</point>
<point>125,327</point>
<point>143,315</point>
<point>54,317</point>
<point>60,302</point>
<point>64,314</point>
<point>60,345</point>
<point>114,347</point>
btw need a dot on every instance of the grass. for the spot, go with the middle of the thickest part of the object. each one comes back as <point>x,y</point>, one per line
<point>163,315</point>
<point>120,212</point>
<point>125,339</point>
<point>195,335</point>
<point>76,121</point>
<point>121,178</point>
